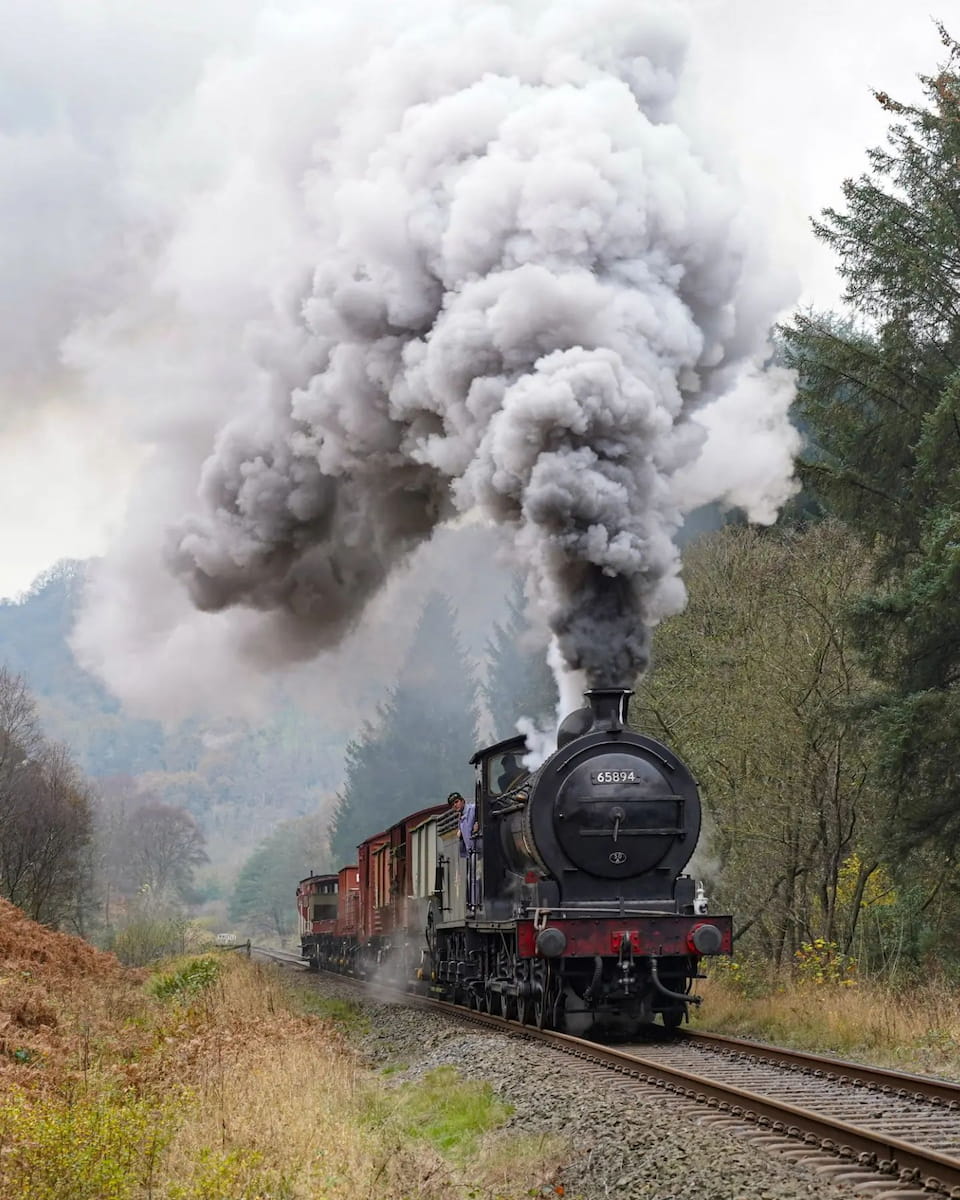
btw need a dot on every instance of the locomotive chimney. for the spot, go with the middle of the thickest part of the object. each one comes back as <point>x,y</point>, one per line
<point>606,708</point>
<point>609,706</point>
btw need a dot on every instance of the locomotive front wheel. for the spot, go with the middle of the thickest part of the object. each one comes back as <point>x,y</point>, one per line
<point>523,1009</point>
<point>506,1006</point>
<point>672,1018</point>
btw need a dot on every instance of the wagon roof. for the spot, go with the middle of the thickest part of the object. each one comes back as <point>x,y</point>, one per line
<point>375,837</point>
<point>421,814</point>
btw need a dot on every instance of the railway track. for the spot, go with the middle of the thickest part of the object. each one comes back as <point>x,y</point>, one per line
<point>883,1132</point>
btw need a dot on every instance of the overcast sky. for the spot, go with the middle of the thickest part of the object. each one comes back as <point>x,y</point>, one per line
<point>90,93</point>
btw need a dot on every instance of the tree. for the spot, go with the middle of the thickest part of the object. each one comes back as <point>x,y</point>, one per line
<point>884,405</point>
<point>162,845</point>
<point>519,683</point>
<point>20,738</point>
<point>45,812</point>
<point>419,748</point>
<point>264,898</point>
<point>750,686</point>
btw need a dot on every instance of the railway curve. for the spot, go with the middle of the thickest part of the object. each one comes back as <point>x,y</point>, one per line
<point>895,1134</point>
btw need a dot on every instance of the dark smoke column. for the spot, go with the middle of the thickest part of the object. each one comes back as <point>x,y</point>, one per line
<point>527,280</point>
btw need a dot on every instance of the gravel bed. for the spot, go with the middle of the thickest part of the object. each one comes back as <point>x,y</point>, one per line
<point>627,1146</point>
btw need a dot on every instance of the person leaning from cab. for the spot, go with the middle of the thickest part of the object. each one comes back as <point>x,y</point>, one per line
<point>468,829</point>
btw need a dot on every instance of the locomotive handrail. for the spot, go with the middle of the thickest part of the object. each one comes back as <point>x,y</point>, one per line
<point>506,809</point>
<point>658,831</point>
<point>517,793</point>
<point>591,910</point>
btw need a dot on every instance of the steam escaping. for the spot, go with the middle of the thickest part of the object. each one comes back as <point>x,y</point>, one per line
<point>542,736</point>
<point>498,278</point>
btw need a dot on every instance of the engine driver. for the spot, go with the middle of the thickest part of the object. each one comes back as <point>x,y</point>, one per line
<point>510,771</point>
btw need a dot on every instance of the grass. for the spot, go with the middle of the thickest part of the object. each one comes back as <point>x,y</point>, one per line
<point>450,1114</point>
<point>915,1029</point>
<point>393,1069</point>
<point>214,1083</point>
<point>347,1015</point>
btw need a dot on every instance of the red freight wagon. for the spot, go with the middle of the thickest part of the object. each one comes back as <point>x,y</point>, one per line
<point>369,922</point>
<point>317,902</point>
<point>348,902</point>
<point>392,907</point>
<point>317,908</point>
<point>381,858</point>
<point>406,890</point>
<point>328,907</point>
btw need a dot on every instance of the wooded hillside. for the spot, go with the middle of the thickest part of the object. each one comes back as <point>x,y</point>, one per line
<point>813,681</point>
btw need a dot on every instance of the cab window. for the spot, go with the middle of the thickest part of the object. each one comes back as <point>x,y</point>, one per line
<point>504,770</point>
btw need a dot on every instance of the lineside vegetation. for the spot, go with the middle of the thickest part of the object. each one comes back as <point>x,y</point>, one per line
<point>823,1006</point>
<point>209,1079</point>
<point>814,682</point>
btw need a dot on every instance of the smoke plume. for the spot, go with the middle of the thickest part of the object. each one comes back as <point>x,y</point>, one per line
<point>439,259</point>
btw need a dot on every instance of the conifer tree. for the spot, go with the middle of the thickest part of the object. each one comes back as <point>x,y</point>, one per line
<point>418,750</point>
<point>519,682</point>
<point>883,400</point>
<point>263,899</point>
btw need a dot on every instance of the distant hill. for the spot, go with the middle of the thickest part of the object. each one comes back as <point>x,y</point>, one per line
<point>238,777</point>
<point>74,706</point>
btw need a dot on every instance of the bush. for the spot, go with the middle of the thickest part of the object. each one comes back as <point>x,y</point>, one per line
<point>238,1174</point>
<point>821,963</point>
<point>746,975</point>
<point>143,940</point>
<point>106,1148</point>
<point>189,981</point>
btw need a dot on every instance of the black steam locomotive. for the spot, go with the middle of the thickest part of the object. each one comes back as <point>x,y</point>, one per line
<point>557,899</point>
<point>579,911</point>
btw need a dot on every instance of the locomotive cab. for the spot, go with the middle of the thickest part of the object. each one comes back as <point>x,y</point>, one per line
<point>500,774</point>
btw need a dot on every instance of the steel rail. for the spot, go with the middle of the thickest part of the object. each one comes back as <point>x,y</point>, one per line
<point>840,1137</point>
<point>285,956</point>
<point>885,1078</point>
<point>874,1149</point>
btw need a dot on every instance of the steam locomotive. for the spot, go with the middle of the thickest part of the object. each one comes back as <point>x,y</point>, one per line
<point>565,904</point>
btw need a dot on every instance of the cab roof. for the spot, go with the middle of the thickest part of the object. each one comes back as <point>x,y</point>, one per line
<point>517,742</point>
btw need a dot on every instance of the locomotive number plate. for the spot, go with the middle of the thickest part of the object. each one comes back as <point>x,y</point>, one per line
<point>613,777</point>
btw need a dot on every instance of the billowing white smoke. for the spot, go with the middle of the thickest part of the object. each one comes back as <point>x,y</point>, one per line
<point>475,265</point>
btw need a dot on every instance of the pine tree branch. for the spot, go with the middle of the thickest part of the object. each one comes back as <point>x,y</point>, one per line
<point>813,469</point>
